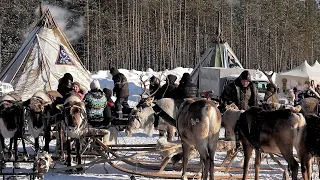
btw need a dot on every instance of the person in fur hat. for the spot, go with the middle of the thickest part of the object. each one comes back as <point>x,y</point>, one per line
<point>65,84</point>
<point>242,92</point>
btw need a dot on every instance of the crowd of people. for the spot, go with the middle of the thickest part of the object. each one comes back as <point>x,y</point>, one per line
<point>98,102</point>
<point>101,109</point>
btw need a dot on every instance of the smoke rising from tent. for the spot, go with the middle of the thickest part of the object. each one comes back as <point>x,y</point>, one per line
<point>71,25</point>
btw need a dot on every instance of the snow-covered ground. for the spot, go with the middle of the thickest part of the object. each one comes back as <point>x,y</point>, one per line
<point>105,171</point>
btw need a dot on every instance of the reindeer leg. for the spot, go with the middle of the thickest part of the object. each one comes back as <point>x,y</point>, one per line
<point>78,154</point>
<point>309,168</point>
<point>68,151</point>
<point>212,150</point>
<point>36,144</point>
<point>204,151</point>
<point>287,153</point>
<point>10,148</point>
<point>306,166</point>
<point>26,155</point>
<point>186,151</point>
<point>47,138</point>
<point>1,152</point>
<point>257,164</point>
<point>247,148</point>
<point>318,159</point>
<point>62,155</point>
<point>170,133</point>
<point>16,156</point>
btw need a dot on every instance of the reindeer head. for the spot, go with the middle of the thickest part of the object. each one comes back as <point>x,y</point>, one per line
<point>35,110</point>
<point>75,117</point>
<point>11,113</point>
<point>75,114</point>
<point>134,122</point>
<point>141,118</point>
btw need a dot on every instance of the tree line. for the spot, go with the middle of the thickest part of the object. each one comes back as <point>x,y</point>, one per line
<point>163,34</point>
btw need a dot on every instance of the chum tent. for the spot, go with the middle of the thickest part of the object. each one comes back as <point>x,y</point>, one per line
<point>43,59</point>
<point>218,54</point>
<point>298,76</point>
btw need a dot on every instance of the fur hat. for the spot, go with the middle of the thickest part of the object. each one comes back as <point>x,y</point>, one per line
<point>68,76</point>
<point>95,84</point>
<point>245,75</point>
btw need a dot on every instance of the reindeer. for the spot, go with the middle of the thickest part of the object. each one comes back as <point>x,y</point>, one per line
<point>310,106</point>
<point>308,147</point>
<point>271,132</point>
<point>75,124</point>
<point>37,112</point>
<point>144,116</point>
<point>198,124</point>
<point>11,123</point>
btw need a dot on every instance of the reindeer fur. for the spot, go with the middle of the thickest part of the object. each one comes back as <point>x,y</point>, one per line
<point>143,118</point>
<point>198,125</point>
<point>37,121</point>
<point>281,130</point>
<point>309,106</point>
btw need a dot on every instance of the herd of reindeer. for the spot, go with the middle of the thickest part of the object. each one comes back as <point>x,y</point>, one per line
<point>271,128</point>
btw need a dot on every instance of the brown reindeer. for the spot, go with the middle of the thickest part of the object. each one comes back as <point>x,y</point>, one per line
<point>310,106</point>
<point>11,124</point>
<point>75,124</point>
<point>198,124</point>
<point>36,114</point>
<point>271,132</point>
<point>309,145</point>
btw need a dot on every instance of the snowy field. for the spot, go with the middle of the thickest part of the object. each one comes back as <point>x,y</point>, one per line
<point>106,172</point>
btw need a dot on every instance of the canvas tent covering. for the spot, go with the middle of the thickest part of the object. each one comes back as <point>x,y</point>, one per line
<point>218,54</point>
<point>43,59</point>
<point>316,66</point>
<point>298,76</point>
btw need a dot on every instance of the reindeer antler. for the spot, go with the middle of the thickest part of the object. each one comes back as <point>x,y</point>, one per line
<point>269,76</point>
<point>143,83</point>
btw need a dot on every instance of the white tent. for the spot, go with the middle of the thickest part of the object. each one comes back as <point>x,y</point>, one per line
<point>297,77</point>
<point>43,59</point>
<point>316,66</point>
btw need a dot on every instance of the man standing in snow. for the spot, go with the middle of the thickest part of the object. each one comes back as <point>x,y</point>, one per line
<point>242,92</point>
<point>121,89</point>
